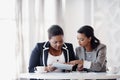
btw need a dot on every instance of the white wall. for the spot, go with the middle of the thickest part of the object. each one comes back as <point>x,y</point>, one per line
<point>103,15</point>
<point>106,19</point>
<point>73,19</point>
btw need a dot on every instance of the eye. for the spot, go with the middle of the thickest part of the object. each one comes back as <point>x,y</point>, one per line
<point>80,39</point>
<point>55,42</point>
<point>61,41</point>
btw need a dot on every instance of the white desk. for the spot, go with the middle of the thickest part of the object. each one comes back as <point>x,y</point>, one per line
<point>71,75</point>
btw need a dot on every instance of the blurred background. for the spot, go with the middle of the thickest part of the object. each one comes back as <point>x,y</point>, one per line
<point>23,23</point>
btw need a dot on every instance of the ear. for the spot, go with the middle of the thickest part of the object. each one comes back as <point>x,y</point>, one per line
<point>90,39</point>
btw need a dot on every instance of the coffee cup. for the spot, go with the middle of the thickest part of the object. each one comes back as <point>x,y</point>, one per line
<point>40,69</point>
<point>113,69</point>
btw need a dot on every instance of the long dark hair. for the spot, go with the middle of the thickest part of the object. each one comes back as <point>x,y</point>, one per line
<point>89,32</point>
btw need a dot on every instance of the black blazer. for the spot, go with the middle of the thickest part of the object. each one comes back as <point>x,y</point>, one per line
<point>39,54</point>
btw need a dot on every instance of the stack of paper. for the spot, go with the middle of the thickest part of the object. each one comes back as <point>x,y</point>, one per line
<point>62,66</point>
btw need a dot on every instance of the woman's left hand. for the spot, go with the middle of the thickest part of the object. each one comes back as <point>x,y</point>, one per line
<point>74,62</point>
<point>80,67</point>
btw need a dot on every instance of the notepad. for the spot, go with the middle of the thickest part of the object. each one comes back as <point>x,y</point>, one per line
<point>62,66</point>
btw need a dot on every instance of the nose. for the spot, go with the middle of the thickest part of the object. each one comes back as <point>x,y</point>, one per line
<point>79,41</point>
<point>59,44</point>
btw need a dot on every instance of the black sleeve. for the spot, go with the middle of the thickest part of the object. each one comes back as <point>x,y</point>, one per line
<point>71,53</point>
<point>34,59</point>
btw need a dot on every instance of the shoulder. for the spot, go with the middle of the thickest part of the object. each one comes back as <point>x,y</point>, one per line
<point>79,49</point>
<point>67,44</point>
<point>41,45</point>
<point>101,46</point>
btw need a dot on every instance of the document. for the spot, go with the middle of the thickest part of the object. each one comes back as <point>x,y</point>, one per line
<point>62,66</point>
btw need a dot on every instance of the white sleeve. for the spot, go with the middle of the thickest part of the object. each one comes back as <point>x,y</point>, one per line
<point>87,64</point>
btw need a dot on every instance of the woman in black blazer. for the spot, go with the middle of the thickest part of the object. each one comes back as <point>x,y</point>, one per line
<point>54,50</point>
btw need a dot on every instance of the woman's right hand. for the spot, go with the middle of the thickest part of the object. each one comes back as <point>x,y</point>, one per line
<point>49,68</point>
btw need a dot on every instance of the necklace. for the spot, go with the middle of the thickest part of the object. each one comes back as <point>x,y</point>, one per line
<point>55,52</point>
<point>58,58</point>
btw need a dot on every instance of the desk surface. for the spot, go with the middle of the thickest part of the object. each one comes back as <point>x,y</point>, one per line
<point>71,75</point>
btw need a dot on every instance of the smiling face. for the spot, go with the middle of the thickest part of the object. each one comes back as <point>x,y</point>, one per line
<point>83,40</point>
<point>56,42</point>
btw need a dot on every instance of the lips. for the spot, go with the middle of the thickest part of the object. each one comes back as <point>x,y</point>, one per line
<point>80,44</point>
